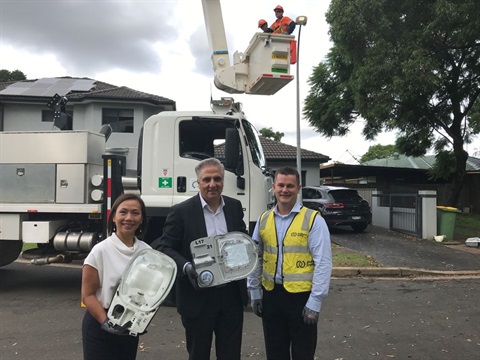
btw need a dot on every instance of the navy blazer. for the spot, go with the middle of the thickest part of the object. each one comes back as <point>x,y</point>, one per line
<point>184,224</point>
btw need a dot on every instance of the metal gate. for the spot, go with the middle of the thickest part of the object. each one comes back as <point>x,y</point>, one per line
<point>406,213</point>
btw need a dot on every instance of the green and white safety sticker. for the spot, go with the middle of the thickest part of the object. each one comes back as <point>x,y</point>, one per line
<point>164,182</point>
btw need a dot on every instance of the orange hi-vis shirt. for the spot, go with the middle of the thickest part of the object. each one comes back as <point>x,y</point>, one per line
<point>281,26</point>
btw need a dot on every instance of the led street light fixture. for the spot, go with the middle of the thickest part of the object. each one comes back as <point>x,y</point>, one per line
<point>224,258</point>
<point>144,285</point>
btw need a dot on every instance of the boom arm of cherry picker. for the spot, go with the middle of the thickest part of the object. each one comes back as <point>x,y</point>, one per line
<point>263,69</point>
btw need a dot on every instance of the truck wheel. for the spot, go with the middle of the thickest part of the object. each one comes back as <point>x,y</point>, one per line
<point>9,251</point>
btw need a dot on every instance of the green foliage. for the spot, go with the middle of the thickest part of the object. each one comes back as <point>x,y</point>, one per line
<point>411,66</point>
<point>378,152</point>
<point>466,226</point>
<point>330,105</point>
<point>444,167</point>
<point>269,133</point>
<point>15,75</point>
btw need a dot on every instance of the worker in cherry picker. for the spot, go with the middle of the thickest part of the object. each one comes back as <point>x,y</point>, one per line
<point>262,24</point>
<point>283,25</point>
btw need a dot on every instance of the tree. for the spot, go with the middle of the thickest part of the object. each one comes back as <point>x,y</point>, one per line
<point>411,66</point>
<point>15,75</point>
<point>269,133</point>
<point>378,152</point>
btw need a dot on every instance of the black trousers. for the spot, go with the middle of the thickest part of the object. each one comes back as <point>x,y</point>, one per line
<point>101,345</point>
<point>223,316</point>
<point>286,335</point>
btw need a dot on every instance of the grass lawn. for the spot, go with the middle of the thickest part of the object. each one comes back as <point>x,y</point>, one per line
<point>466,226</point>
<point>344,257</point>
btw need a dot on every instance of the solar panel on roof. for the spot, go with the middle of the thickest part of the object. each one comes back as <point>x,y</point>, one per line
<point>47,87</point>
<point>47,81</point>
<point>20,84</point>
<point>33,92</point>
<point>15,88</point>
<point>40,85</point>
<point>83,85</point>
<point>13,91</point>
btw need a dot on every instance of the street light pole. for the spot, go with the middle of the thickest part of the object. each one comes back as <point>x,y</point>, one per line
<point>300,20</point>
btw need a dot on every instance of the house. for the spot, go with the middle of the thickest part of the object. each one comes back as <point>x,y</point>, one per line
<point>91,104</point>
<point>404,174</point>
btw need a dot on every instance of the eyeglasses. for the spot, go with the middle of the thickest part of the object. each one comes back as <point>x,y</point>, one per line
<point>278,11</point>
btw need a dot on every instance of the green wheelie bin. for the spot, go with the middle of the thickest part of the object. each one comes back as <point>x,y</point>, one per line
<point>446,217</point>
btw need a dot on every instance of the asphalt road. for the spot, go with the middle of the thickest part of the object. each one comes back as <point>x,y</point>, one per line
<point>40,318</point>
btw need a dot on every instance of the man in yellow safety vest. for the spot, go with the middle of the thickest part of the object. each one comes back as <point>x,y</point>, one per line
<point>292,279</point>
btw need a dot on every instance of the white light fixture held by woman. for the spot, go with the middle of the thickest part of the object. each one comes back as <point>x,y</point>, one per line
<point>144,285</point>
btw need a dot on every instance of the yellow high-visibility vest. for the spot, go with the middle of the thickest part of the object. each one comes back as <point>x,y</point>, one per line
<point>298,265</point>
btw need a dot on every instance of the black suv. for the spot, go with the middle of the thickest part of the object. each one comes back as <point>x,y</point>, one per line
<point>338,206</point>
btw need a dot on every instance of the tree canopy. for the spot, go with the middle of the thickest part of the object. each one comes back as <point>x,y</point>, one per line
<point>15,75</point>
<point>412,66</point>
<point>269,133</point>
<point>378,152</point>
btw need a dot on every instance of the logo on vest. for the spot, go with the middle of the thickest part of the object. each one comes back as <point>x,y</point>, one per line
<point>303,264</point>
<point>299,234</point>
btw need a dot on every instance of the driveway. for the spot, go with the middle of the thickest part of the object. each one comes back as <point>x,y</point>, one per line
<point>394,249</point>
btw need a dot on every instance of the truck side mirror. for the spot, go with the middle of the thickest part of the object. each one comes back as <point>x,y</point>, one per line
<point>232,151</point>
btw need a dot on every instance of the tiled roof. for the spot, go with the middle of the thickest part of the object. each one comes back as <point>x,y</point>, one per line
<point>100,90</point>
<point>106,91</point>
<point>277,151</point>
<point>422,162</point>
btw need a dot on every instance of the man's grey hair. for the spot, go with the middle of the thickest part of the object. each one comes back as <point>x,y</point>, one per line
<point>209,162</point>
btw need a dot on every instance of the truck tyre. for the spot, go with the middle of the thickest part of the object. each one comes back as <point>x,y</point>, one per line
<point>9,251</point>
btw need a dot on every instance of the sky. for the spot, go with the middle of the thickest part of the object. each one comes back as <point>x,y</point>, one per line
<point>160,47</point>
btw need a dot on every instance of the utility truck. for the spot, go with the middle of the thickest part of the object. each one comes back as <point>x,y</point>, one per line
<point>57,187</point>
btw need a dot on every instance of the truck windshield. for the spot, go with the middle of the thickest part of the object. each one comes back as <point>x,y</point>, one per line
<point>254,145</point>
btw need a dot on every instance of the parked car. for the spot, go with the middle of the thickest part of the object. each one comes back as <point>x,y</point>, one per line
<point>338,206</point>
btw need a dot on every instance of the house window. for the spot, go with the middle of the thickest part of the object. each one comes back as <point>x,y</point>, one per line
<point>47,116</point>
<point>121,120</point>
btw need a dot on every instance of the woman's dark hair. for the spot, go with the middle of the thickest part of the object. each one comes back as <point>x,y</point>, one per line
<point>142,229</point>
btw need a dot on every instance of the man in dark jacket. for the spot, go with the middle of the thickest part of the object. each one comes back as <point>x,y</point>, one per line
<point>207,311</point>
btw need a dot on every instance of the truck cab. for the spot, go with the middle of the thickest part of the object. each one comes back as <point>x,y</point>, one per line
<point>177,141</point>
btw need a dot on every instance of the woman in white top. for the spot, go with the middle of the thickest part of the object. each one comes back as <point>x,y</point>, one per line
<point>101,274</point>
